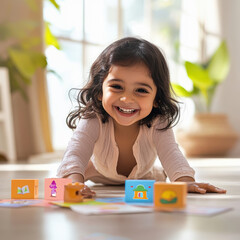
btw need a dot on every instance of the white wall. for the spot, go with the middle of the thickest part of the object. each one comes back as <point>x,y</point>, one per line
<point>227,99</point>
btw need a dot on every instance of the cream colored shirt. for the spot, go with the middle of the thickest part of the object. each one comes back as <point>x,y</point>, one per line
<point>93,140</point>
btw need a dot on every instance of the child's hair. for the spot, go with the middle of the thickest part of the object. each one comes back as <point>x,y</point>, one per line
<point>127,52</point>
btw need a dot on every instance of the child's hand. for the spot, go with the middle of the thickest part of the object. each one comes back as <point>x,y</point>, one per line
<point>87,192</point>
<point>194,187</point>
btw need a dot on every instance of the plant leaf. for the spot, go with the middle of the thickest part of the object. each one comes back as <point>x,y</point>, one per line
<point>50,39</point>
<point>16,80</point>
<point>55,4</point>
<point>198,75</point>
<point>54,73</point>
<point>219,64</point>
<point>27,62</point>
<point>180,91</point>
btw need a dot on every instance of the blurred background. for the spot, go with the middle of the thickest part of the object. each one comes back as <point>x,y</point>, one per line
<point>48,46</point>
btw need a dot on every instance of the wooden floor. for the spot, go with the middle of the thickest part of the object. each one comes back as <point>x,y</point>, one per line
<point>61,223</point>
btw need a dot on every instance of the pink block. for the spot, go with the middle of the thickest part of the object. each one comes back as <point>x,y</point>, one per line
<point>54,188</point>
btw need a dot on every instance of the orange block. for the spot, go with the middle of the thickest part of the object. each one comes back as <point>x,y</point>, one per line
<point>24,188</point>
<point>170,195</point>
<point>54,188</point>
<point>72,192</point>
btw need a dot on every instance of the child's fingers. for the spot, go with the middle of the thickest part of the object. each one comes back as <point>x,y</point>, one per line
<point>87,192</point>
<point>211,188</point>
<point>221,190</point>
<point>194,188</point>
<point>204,187</point>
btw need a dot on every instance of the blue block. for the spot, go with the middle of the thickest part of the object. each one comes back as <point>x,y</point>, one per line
<point>139,191</point>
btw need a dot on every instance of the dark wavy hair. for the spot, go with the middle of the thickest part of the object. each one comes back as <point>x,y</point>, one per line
<point>126,52</point>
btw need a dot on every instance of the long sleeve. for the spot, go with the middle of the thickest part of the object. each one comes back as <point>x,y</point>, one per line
<point>80,148</point>
<point>172,159</point>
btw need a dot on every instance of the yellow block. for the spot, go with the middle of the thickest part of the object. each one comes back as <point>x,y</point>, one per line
<point>24,188</point>
<point>72,192</point>
<point>170,195</point>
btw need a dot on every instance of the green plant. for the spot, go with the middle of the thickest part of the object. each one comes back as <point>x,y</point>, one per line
<point>20,54</point>
<point>19,50</point>
<point>206,77</point>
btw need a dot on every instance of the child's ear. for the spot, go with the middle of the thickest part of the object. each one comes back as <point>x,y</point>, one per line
<point>99,97</point>
<point>155,105</point>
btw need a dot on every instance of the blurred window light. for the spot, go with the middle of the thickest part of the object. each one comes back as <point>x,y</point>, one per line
<point>100,21</point>
<point>85,27</point>
<point>198,38</point>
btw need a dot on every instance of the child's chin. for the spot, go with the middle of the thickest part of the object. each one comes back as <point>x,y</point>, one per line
<point>126,123</point>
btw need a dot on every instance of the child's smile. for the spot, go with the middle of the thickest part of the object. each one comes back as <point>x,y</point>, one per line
<point>126,112</point>
<point>128,93</point>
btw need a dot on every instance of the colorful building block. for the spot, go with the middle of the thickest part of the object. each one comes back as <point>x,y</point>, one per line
<point>170,195</point>
<point>139,191</point>
<point>54,188</point>
<point>24,188</point>
<point>72,192</point>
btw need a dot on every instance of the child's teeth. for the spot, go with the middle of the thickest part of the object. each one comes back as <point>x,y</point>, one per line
<point>126,110</point>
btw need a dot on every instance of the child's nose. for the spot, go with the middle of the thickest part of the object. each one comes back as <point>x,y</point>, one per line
<point>126,98</point>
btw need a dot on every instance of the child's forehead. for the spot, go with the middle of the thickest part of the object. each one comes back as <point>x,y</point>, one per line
<point>136,67</point>
<point>134,74</point>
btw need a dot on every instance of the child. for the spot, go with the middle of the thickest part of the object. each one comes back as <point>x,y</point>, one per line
<point>123,121</point>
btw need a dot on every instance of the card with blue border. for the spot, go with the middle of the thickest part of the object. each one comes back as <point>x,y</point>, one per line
<point>139,191</point>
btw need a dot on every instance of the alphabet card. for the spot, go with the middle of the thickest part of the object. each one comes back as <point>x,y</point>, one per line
<point>24,188</point>
<point>54,188</point>
<point>114,208</point>
<point>139,191</point>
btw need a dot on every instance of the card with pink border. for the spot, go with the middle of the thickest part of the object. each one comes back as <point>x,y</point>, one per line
<point>54,188</point>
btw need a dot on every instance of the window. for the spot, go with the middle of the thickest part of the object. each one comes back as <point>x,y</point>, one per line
<point>199,37</point>
<point>85,27</point>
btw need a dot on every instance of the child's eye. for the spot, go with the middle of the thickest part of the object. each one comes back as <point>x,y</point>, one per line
<point>142,90</point>
<point>116,86</point>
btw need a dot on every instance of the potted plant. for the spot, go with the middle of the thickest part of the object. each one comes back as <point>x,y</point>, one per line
<point>19,49</point>
<point>209,134</point>
<point>20,54</point>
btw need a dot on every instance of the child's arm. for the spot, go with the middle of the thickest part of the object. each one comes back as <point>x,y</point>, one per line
<point>173,161</point>
<point>195,187</point>
<point>78,153</point>
<point>176,165</point>
<point>79,150</point>
<point>76,177</point>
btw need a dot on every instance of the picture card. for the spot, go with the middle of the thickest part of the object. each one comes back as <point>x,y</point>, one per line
<point>109,209</point>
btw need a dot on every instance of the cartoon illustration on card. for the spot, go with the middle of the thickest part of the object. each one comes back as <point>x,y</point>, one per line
<point>53,187</point>
<point>23,190</point>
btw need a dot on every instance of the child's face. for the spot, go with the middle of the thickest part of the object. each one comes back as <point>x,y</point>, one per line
<point>128,93</point>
